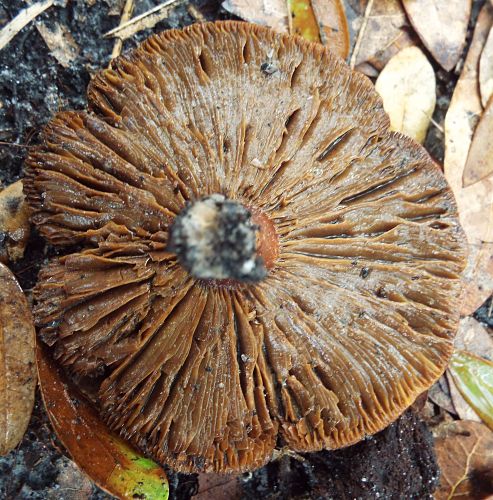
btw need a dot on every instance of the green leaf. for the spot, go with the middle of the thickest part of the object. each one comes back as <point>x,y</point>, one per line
<point>474,379</point>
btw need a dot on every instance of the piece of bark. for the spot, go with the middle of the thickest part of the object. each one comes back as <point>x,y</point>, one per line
<point>17,363</point>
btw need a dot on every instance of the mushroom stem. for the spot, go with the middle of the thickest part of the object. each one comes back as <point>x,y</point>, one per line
<point>215,238</point>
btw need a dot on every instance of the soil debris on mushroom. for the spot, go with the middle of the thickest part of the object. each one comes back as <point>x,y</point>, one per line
<point>354,311</point>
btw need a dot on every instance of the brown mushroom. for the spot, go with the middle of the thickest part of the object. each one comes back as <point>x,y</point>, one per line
<point>337,301</point>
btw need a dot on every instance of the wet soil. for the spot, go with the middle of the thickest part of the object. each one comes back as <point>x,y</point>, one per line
<point>396,463</point>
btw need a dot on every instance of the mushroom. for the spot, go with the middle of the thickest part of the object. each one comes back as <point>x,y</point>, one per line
<point>250,253</point>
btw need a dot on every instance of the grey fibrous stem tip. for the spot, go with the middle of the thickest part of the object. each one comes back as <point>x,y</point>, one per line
<point>214,238</point>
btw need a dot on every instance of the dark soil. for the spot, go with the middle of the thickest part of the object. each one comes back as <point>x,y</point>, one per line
<point>396,463</point>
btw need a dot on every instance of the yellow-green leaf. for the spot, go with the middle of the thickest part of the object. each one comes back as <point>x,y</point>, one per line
<point>474,379</point>
<point>303,21</point>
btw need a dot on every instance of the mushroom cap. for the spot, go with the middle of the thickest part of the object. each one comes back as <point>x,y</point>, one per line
<point>356,315</point>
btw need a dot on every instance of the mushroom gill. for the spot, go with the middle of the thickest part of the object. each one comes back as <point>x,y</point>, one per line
<point>353,313</point>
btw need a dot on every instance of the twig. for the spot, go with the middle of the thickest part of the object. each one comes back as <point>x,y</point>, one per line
<point>126,15</point>
<point>196,14</point>
<point>114,32</point>
<point>14,145</point>
<point>361,32</point>
<point>437,125</point>
<point>22,19</point>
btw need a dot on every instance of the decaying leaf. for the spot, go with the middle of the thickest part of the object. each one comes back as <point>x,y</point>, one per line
<point>14,223</point>
<point>479,164</point>
<point>302,20</point>
<point>406,38</point>
<point>442,27</point>
<point>60,41</point>
<point>439,393</point>
<point>462,408</point>
<point>465,454</point>
<point>407,87</point>
<point>472,336</point>
<point>475,202</point>
<point>486,70</point>
<point>105,458</point>
<point>334,31</point>
<point>273,13</point>
<point>218,487</point>
<point>473,376</point>
<point>17,366</point>
<point>386,26</point>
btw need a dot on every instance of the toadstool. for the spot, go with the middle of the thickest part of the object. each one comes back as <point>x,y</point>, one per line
<point>337,301</point>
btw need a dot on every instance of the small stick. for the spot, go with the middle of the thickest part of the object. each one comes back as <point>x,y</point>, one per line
<point>14,145</point>
<point>437,125</point>
<point>115,31</point>
<point>126,15</point>
<point>196,14</point>
<point>22,19</point>
<point>361,32</point>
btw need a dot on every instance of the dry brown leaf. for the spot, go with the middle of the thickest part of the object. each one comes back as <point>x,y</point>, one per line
<point>464,451</point>
<point>273,13</point>
<point>462,408</point>
<point>439,393</point>
<point>479,164</point>
<point>407,87</point>
<point>486,71</point>
<point>406,38</point>
<point>14,223</point>
<point>17,362</point>
<point>218,487</point>
<point>334,31</point>
<point>475,202</point>
<point>71,483</point>
<point>60,41</point>
<point>442,27</point>
<point>386,26</point>
<point>472,336</point>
